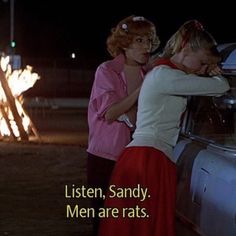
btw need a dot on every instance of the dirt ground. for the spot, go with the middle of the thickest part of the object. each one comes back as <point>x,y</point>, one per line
<point>34,174</point>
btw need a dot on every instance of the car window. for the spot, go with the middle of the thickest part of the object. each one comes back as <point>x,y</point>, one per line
<point>214,118</point>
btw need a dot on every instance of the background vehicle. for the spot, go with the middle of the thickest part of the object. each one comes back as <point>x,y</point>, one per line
<point>206,160</point>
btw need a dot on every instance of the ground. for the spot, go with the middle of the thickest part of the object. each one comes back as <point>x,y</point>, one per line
<point>34,174</point>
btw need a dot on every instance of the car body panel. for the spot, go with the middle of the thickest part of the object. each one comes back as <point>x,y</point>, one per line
<point>205,156</point>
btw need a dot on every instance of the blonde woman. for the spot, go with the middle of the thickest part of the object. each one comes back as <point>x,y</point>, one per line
<point>146,165</point>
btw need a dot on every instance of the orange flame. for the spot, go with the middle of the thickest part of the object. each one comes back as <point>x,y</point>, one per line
<point>18,82</point>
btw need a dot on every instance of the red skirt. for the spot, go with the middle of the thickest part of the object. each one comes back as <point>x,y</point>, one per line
<point>141,196</point>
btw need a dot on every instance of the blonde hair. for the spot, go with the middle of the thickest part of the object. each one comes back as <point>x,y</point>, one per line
<point>122,35</point>
<point>193,33</point>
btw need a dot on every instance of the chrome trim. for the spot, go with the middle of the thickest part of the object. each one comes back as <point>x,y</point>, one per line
<point>223,148</point>
<point>212,144</point>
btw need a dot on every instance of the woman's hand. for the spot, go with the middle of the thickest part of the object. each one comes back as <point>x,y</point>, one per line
<point>132,114</point>
<point>213,70</point>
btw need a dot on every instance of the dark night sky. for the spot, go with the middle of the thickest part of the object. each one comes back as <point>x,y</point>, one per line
<point>54,29</point>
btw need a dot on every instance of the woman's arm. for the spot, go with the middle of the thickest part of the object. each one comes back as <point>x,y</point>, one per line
<point>123,106</point>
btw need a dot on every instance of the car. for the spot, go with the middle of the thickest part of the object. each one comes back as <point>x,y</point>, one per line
<point>205,156</point>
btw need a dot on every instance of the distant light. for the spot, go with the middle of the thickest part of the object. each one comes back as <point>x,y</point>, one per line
<point>13,44</point>
<point>73,55</point>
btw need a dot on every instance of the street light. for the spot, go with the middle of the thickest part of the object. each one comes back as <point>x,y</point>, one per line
<point>12,8</point>
<point>15,60</point>
<point>12,41</point>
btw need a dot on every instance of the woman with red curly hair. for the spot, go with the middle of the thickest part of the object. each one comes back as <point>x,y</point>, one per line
<point>112,105</point>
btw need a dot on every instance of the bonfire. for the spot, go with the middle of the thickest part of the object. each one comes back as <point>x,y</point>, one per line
<point>14,121</point>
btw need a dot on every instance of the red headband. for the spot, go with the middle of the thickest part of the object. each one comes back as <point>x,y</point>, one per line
<point>186,36</point>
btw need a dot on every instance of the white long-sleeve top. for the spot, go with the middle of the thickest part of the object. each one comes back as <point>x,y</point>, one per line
<point>162,101</point>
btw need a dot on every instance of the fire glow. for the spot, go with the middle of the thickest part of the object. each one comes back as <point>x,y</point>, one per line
<point>14,121</point>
